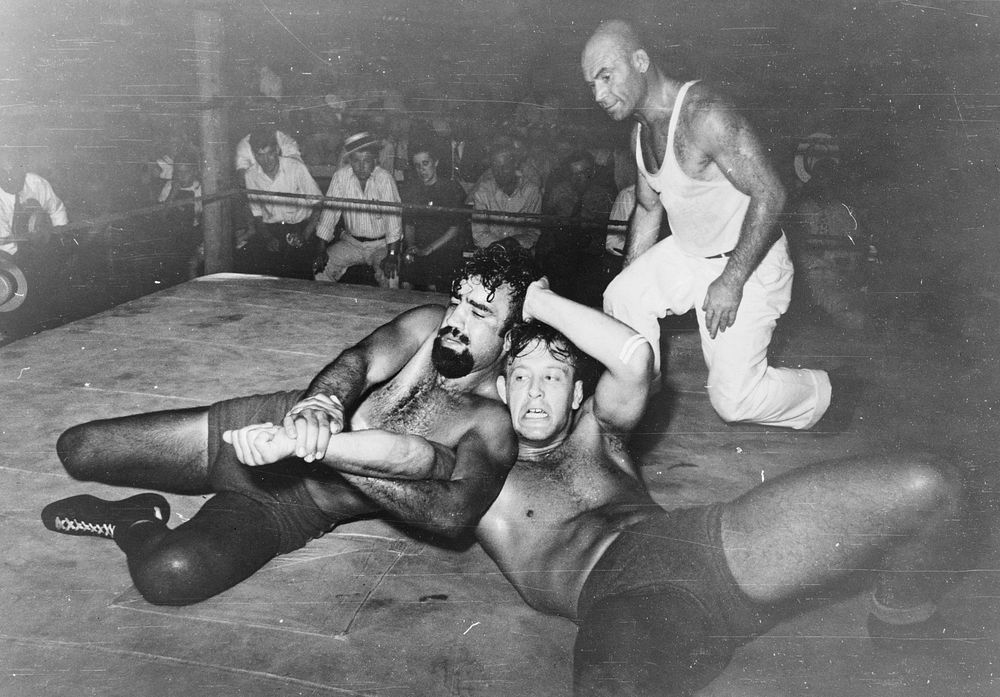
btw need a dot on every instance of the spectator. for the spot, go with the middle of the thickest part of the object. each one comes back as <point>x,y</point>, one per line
<point>21,194</point>
<point>830,248</point>
<point>531,167</point>
<point>28,206</point>
<point>393,156</point>
<point>372,235</point>
<point>571,253</point>
<point>434,241</point>
<point>621,210</point>
<point>505,191</point>
<point>279,239</point>
<point>185,255</point>
<point>465,159</point>
<point>269,115</point>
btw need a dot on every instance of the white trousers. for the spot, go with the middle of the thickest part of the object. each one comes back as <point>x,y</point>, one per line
<point>348,251</point>
<point>741,385</point>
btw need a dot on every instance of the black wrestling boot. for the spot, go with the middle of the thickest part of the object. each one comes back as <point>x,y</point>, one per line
<point>94,517</point>
<point>933,635</point>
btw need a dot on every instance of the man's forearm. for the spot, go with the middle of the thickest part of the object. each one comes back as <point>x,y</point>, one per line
<point>760,230</point>
<point>600,336</point>
<point>433,504</point>
<point>378,453</point>
<point>345,378</point>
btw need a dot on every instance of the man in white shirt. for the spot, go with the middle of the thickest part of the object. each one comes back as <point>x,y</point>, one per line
<point>19,187</point>
<point>372,234</point>
<point>270,115</point>
<point>281,230</point>
<point>506,191</point>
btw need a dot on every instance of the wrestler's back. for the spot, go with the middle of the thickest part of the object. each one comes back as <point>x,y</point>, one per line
<point>555,518</point>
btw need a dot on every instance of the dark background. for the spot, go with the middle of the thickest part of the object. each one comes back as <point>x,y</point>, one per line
<point>909,90</point>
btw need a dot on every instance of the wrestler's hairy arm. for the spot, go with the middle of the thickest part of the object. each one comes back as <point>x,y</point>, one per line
<point>338,386</point>
<point>644,226</point>
<point>371,453</point>
<point>725,137</point>
<point>623,388</point>
<point>483,456</point>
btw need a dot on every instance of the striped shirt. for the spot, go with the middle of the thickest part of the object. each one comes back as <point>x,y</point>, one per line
<point>292,178</point>
<point>362,222</point>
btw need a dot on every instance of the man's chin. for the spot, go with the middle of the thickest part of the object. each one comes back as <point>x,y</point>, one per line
<point>451,364</point>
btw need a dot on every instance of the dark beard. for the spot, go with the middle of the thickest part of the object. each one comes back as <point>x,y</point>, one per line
<point>451,364</point>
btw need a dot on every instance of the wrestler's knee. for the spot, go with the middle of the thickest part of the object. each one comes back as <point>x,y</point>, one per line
<point>175,574</point>
<point>77,448</point>
<point>932,484</point>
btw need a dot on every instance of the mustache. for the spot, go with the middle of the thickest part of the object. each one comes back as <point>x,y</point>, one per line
<point>453,333</point>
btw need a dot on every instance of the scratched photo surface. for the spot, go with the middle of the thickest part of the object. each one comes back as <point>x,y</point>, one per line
<point>131,306</point>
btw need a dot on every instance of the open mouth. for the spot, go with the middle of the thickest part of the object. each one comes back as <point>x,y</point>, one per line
<point>536,413</point>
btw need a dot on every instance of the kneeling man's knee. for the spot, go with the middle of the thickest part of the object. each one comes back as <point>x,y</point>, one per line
<point>728,407</point>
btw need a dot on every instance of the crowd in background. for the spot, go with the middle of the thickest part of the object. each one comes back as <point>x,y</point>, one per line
<point>522,171</point>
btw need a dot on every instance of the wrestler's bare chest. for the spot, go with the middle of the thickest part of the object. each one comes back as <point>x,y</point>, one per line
<point>416,402</point>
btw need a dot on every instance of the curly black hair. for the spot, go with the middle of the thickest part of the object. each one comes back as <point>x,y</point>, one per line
<point>524,334</point>
<point>502,263</point>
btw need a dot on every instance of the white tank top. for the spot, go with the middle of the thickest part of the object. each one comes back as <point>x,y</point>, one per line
<point>705,216</point>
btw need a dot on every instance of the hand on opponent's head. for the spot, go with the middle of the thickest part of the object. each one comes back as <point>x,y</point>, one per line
<point>541,285</point>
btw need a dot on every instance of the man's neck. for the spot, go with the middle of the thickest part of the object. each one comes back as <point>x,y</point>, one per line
<point>661,95</point>
<point>535,452</point>
<point>481,381</point>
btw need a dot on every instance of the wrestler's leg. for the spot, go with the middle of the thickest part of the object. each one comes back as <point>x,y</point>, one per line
<point>810,529</point>
<point>229,539</point>
<point>165,450</point>
<point>645,645</point>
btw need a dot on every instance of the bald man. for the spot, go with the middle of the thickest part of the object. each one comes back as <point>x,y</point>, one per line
<point>700,162</point>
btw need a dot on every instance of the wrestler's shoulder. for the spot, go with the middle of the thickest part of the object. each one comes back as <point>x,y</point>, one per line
<point>426,317</point>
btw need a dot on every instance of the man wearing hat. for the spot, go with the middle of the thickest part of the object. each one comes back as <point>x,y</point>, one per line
<point>372,233</point>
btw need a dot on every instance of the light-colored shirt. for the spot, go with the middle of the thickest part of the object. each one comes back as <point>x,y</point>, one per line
<point>244,153</point>
<point>37,188</point>
<point>363,222</point>
<point>527,198</point>
<point>622,210</point>
<point>292,178</point>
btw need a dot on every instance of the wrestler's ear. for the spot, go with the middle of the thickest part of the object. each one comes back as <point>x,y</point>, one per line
<point>640,59</point>
<point>502,388</point>
<point>577,394</point>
